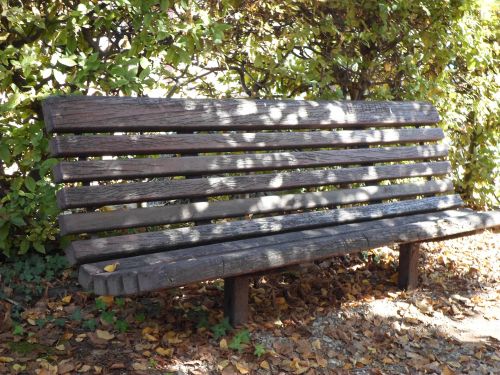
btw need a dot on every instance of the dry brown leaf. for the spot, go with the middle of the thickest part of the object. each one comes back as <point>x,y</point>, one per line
<point>222,365</point>
<point>150,337</point>
<point>242,367</point>
<point>80,337</point>
<point>84,368</point>
<point>139,366</point>
<point>66,299</point>
<point>316,344</point>
<point>165,352</point>
<point>65,366</point>
<point>447,371</point>
<point>105,335</point>
<point>117,366</point>
<point>223,344</point>
<point>265,365</point>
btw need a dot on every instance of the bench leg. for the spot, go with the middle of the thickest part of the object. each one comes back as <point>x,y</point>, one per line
<point>408,262</point>
<point>236,299</point>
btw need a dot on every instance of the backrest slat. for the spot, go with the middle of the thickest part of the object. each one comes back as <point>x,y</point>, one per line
<point>100,170</point>
<point>112,114</point>
<point>98,196</point>
<point>164,163</point>
<point>90,222</point>
<point>150,144</point>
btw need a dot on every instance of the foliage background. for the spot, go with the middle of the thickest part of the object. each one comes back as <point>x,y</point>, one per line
<point>443,52</point>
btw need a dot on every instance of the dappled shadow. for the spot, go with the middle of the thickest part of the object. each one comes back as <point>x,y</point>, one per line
<point>318,207</point>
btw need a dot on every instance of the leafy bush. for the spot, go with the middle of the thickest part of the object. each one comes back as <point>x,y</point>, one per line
<point>443,52</point>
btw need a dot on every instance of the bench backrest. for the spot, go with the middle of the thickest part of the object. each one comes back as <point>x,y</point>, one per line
<point>212,159</point>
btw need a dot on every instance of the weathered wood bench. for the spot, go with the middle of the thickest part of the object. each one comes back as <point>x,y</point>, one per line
<point>246,186</point>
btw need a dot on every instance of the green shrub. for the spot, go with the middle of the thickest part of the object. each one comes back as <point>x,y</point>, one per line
<point>446,52</point>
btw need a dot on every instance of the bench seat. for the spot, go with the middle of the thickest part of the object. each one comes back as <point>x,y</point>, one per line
<point>169,269</point>
<point>175,191</point>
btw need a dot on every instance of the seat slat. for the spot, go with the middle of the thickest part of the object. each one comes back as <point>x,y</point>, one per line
<point>92,250</point>
<point>100,170</point>
<point>90,222</point>
<point>152,272</point>
<point>112,114</point>
<point>96,196</point>
<point>98,145</point>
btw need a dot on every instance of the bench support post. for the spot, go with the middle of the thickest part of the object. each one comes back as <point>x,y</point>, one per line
<point>408,262</point>
<point>236,299</point>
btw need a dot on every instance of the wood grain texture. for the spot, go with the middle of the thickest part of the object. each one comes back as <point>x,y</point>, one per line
<point>149,144</point>
<point>264,241</point>
<point>97,196</point>
<point>101,170</point>
<point>141,217</point>
<point>85,251</point>
<point>161,273</point>
<point>96,114</point>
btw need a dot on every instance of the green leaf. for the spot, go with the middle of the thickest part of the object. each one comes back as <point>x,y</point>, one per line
<point>164,5</point>
<point>30,183</point>
<point>17,221</point>
<point>39,247</point>
<point>67,61</point>
<point>5,153</point>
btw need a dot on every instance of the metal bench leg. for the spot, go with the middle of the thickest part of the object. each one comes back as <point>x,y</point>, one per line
<point>408,262</point>
<point>236,299</point>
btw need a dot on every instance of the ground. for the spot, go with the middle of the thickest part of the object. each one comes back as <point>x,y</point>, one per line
<point>341,316</point>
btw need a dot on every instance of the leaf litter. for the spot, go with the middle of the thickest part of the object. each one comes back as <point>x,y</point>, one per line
<point>343,315</point>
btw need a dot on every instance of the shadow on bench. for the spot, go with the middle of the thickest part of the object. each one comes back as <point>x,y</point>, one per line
<point>181,191</point>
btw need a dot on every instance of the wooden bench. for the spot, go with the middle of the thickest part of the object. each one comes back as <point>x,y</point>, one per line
<point>245,186</point>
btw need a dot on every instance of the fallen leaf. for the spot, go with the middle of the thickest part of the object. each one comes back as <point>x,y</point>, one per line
<point>80,337</point>
<point>150,337</point>
<point>242,367</point>
<point>84,368</point>
<point>165,352</point>
<point>6,359</point>
<point>447,371</point>
<point>18,367</point>
<point>111,267</point>
<point>108,300</point>
<point>117,366</point>
<point>172,338</point>
<point>223,344</point>
<point>139,366</point>
<point>265,365</point>
<point>222,365</point>
<point>66,299</point>
<point>316,344</point>
<point>105,335</point>
<point>387,361</point>
<point>65,366</point>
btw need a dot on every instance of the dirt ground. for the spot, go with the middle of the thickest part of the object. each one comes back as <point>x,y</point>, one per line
<point>335,317</point>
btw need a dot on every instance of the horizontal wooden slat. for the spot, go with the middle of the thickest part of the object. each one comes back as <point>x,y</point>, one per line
<point>92,250</point>
<point>95,196</point>
<point>121,219</point>
<point>95,114</point>
<point>101,170</point>
<point>169,269</point>
<point>98,145</point>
